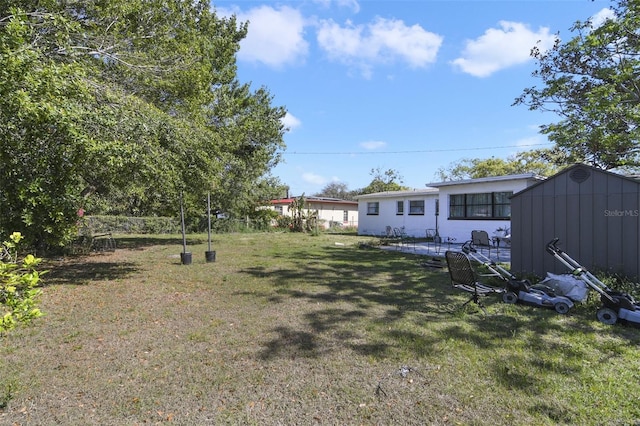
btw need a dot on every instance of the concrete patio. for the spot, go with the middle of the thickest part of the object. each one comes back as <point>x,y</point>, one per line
<point>500,254</point>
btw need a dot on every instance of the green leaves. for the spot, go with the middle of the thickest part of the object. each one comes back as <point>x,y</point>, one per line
<point>389,180</point>
<point>591,83</point>
<point>540,161</point>
<point>120,106</point>
<point>18,288</point>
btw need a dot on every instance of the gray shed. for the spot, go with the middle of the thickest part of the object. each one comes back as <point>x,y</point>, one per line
<point>595,214</point>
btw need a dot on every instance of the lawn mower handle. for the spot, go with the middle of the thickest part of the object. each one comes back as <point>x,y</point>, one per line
<point>552,246</point>
<point>468,247</point>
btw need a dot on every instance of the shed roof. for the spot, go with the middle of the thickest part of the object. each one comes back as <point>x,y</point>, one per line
<point>577,168</point>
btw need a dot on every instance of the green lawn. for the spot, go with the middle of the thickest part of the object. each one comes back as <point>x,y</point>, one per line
<point>298,329</point>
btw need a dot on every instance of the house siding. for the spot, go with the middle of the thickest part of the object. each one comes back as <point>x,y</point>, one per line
<point>329,211</point>
<point>596,220</point>
<point>458,230</point>
<point>414,224</point>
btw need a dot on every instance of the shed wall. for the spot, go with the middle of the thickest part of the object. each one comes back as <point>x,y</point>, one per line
<point>596,219</point>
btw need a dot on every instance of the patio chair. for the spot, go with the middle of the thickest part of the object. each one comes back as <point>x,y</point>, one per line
<point>433,239</point>
<point>463,277</point>
<point>387,234</point>
<point>480,239</point>
<point>400,236</point>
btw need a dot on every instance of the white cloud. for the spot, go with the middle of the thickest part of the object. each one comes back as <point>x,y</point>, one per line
<point>600,17</point>
<point>500,48</point>
<point>290,121</point>
<point>275,36</point>
<point>382,41</point>
<point>313,178</point>
<point>371,145</point>
<point>351,4</point>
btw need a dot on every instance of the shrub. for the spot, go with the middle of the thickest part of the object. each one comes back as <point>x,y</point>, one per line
<point>18,281</point>
<point>132,225</point>
<point>284,222</point>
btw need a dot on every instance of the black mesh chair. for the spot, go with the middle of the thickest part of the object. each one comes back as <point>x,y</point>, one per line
<point>464,277</point>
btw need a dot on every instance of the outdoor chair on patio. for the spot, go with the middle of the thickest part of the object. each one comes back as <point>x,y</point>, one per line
<point>430,235</point>
<point>480,239</point>
<point>401,237</point>
<point>463,277</point>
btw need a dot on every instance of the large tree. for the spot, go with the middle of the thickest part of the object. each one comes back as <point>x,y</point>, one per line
<point>335,190</point>
<point>124,105</point>
<point>592,83</point>
<point>383,181</point>
<point>543,162</point>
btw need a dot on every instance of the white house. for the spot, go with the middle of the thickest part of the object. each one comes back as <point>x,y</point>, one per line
<point>413,210</point>
<point>331,211</point>
<point>452,208</point>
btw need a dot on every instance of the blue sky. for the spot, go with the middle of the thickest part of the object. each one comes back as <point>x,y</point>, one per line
<point>406,85</point>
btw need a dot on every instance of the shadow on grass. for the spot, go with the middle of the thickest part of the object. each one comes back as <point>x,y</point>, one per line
<point>141,241</point>
<point>83,268</point>
<point>392,288</point>
<point>81,272</point>
<point>291,343</point>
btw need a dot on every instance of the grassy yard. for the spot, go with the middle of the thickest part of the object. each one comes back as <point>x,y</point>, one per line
<point>305,330</point>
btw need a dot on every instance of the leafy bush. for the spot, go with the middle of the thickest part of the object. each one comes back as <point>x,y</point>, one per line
<point>284,222</point>
<point>18,281</point>
<point>622,284</point>
<point>133,225</point>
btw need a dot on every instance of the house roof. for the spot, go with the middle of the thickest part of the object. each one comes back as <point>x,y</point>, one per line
<point>577,167</point>
<point>323,200</point>
<point>396,194</point>
<point>634,176</point>
<point>523,176</point>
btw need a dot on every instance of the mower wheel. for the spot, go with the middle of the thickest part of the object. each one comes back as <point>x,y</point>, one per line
<point>607,316</point>
<point>561,308</point>
<point>509,297</point>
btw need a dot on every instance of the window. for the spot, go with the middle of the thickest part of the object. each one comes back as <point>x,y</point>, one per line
<point>279,209</point>
<point>502,204</point>
<point>488,205</point>
<point>416,207</point>
<point>373,208</point>
<point>345,216</point>
<point>400,207</point>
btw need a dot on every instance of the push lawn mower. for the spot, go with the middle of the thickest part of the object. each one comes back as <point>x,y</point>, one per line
<point>615,305</point>
<point>521,290</point>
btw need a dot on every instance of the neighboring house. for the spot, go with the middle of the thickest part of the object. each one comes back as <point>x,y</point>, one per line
<point>452,208</point>
<point>594,213</point>
<point>331,211</point>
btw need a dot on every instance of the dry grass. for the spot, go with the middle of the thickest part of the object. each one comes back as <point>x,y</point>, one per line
<point>294,329</point>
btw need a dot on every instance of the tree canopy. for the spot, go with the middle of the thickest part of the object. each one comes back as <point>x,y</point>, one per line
<point>382,181</point>
<point>388,180</point>
<point>336,190</point>
<point>121,106</point>
<point>543,162</point>
<point>592,83</point>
